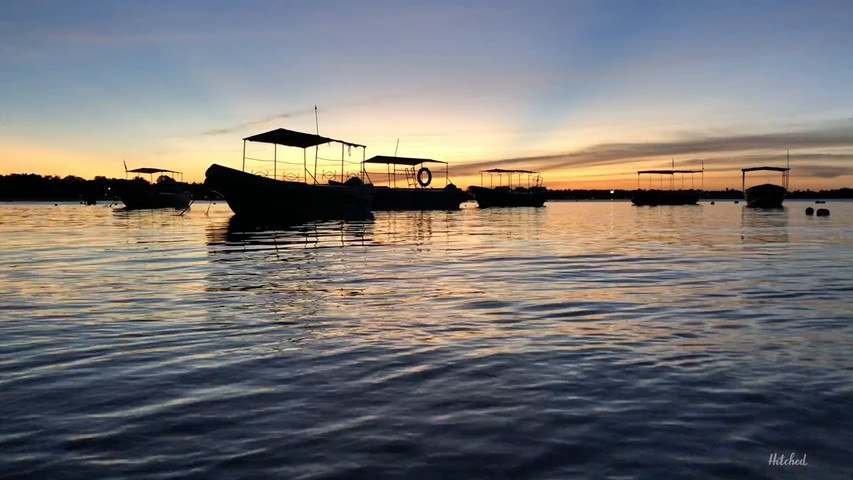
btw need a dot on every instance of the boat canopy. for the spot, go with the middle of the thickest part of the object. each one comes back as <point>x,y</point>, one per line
<point>772,169</point>
<point>510,173</point>
<point>672,177</point>
<point>150,170</point>
<point>412,178</point>
<point>501,170</point>
<point>786,172</point>
<point>291,138</point>
<point>667,172</point>
<point>400,160</point>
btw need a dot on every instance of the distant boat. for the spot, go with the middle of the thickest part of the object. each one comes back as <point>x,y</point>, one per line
<point>165,192</point>
<point>507,195</point>
<point>266,199</point>
<point>416,195</point>
<point>766,195</point>
<point>655,197</point>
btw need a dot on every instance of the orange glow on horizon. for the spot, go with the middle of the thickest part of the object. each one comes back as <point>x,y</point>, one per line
<point>184,156</point>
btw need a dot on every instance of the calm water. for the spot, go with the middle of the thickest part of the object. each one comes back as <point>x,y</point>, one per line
<point>580,340</point>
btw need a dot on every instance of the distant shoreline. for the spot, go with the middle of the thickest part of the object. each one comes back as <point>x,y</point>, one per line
<point>76,201</point>
<point>37,188</point>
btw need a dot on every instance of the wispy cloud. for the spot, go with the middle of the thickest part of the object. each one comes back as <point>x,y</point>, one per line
<point>740,148</point>
<point>252,123</point>
<point>368,102</point>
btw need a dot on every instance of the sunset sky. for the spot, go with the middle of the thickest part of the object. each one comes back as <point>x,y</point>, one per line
<point>587,92</point>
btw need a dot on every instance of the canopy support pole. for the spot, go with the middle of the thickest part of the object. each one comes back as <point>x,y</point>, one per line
<point>316,154</point>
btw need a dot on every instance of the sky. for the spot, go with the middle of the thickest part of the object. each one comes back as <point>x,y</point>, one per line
<point>586,92</point>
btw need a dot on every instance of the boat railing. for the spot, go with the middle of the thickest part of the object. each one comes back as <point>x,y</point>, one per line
<point>785,171</point>
<point>414,171</point>
<point>308,173</point>
<point>151,171</point>
<point>671,174</point>
<point>533,179</point>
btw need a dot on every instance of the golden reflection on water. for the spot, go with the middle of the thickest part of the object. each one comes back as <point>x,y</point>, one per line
<point>487,267</point>
<point>763,226</point>
<point>569,271</point>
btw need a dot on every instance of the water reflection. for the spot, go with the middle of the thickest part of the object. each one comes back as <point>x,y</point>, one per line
<point>667,224</point>
<point>524,343</point>
<point>764,225</point>
<point>407,226</point>
<point>319,234</point>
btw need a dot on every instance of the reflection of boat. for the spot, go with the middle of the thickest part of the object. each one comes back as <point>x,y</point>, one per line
<point>416,195</point>
<point>507,195</point>
<point>766,195</point>
<point>271,200</point>
<point>654,197</point>
<point>764,226</point>
<point>166,192</point>
<point>279,239</point>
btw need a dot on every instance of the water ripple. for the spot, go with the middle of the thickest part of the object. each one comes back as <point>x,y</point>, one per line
<point>591,340</point>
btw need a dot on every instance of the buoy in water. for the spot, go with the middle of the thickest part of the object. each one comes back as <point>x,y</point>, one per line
<point>822,212</point>
<point>810,211</point>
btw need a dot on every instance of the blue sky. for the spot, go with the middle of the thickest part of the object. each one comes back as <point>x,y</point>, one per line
<point>549,85</point>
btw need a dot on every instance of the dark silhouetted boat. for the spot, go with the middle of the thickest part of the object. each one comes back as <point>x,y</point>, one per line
<point>506,195</point>
<point>765,195</point>
<point>165,192</point>
<point>417,194</point>
<point>654,197</point>
<point>264,199</point>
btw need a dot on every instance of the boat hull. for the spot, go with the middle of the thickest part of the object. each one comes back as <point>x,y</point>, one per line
<point>448,198</point>
<point>765,195</point>
<point>140,197</point>
<point>654,198</point>
<point>505,197</point>
<point>265,199</point>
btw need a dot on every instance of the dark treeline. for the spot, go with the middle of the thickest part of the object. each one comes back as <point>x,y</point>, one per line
<point>29,186</point>
<point>727,194</point>
<point>837,193</point>
<point>21,186</point>
<point>627,194</point>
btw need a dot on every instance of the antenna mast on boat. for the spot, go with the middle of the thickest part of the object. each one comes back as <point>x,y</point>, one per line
<point>398,146</point>
<point>316,147</point>
<point>788,171</point>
